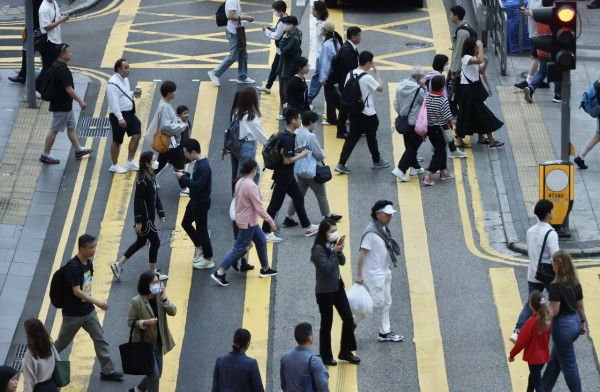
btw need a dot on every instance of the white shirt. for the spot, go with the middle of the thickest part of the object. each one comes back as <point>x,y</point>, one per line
<point>117,101</point>
<point>233,5</point>
<point>471,71</point>
<point>368,85</point>
<point>48,14</point>
<point>252,130</point>
<point>377,259</point>
<point>535,239</point>
<point>277,34</point>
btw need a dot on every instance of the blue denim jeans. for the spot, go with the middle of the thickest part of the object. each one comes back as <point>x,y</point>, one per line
<point>526,312</point>
<point>541,74</point>
<point>315,85</point>
<point>254,234</point>
<point>235,54</point>
<point>565,330</point>
<point>248,150</point>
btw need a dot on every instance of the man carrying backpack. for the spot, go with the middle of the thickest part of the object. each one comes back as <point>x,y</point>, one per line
<point>359,87</point>
<point>463,31</point>
<point>348,61</point>
<point>78,307</point>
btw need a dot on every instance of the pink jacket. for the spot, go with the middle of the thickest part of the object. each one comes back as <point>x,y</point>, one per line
<point>248,204</point>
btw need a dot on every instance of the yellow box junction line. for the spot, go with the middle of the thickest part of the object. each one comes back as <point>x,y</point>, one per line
<point>119,33</point>
<point>182,248</point>
<point>509,305</point>
<point>590,283</point>
<point>109,239</point>
<point>431,364</point>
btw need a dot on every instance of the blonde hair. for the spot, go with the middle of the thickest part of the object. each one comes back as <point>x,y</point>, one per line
<point>540,304</point>
<point>565,274</point>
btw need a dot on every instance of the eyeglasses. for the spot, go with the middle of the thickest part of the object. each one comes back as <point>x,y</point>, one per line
<point>63,47</point>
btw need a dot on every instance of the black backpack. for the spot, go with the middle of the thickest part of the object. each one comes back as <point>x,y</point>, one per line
<point>221,16</point>
<point>58,287</point>
<point>232,142</point>
<point>352,99</point>
<point>465,26</point>
<point>335,70</point>
<point>271,153</point>
<point>45,83</point>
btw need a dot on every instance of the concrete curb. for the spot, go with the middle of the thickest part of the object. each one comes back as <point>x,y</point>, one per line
<point>71,8</point>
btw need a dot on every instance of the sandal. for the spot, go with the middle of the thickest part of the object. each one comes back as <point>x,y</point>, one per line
<point>486,141</point>
<point>496,143</point>
<point>463,145</point>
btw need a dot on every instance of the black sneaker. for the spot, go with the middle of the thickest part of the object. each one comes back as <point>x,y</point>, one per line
<point>334,217</point>
<point>289,222</point>
<point>528,94</point>
<point>267,273</point>
<point>522,84</point>
<point>544,85</point>
<point>245,266</point>
<point>114,376</point>
<point>220,279</point>
<point>17,79</point>
<point>580,162</point>
<point>49,159</point>
<point>557,99</point>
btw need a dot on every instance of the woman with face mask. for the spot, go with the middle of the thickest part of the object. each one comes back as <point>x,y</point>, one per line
<point>327,256</point>
<point>148,317</point>
<point>146,200</point>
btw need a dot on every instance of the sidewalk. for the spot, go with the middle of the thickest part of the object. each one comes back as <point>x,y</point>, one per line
<point>534,136</point>
<point>12,10</point>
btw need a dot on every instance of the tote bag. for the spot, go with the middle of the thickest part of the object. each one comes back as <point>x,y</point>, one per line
<point>241,36</point>
<point>137,358</point>
<point>421,124</point>
<point>62,370</point>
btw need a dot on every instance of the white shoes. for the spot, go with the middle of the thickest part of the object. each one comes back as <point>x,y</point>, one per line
<point>214,79</point>
<point>184,193</point>
<point>513,337</point>
<point>246,81</point>
<point>457,154</point>
<point>117,169</point>
<point>271,237</point>
<point>131,165</point>
<point>311,230</point>
<point>279,117</point>
<point>161,276</point>
<point>401,176</point>
<point>416,172</point>
<point>198,254</point>
<point>202,263</point>
<point>117,269</point>
<point>264,89</point>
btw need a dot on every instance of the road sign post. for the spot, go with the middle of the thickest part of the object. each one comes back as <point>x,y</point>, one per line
<point>29,55</point>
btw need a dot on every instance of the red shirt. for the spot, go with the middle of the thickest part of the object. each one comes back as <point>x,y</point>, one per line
<point>541,28</point>
<point>535,344</point>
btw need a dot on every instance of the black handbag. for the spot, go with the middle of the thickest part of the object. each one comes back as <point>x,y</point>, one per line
<point>478,89</point>
<point>401,122</point>
<point>323,174</point>
<point>241,36</point>
<point>544,272</point>
<point>137,358</point>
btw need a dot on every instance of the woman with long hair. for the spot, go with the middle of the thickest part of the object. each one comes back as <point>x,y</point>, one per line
<point>474,116</point>
<point>251,129</point>
<point>297,92</point>
<point>146,200</point>
<point>39,361</point>
<point>566,301</point>
<point>147,315</point>
<point>327,256</point>
<point>331,47</point>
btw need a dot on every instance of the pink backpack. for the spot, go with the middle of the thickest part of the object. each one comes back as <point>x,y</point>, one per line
<point>421,124</point>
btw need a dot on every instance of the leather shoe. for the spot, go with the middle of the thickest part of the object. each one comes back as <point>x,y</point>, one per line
<point>16,79</point>
<point>329,362</point>
<point>353,359</point>
<point>342,136</point>
<point>114,376</point>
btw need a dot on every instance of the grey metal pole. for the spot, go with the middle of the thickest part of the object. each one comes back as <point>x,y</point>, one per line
<point>521,23</point>
<point>565,132</point>
<point>29,55</point>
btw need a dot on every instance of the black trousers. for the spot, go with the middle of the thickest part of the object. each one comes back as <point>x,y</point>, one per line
<point>197,212</point>
<point>412,142</point>
<point>292,190</point>
<point>535,378</point>
<point>23,70</point>
<point>273,74</point>
<point>326,302</point>
<point>333,103</point>
<point>358,123</point>
<point>174,156</point>
<point>152,236</point>
<point>436,137</point>
<point>283,86</point>
<point>49,54</point>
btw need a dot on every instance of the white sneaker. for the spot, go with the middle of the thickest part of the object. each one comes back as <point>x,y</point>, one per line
<point>117,270</point>
<point>214,79</point>
<point>197,255</point>
<point>246,81</point>
<point>264,89</point>
<point>131,165</point>
<point>419,158</point>
<point>202,263</point>
<point>184,193</point>
<point>457,154</point>
<point>271,237</point>
<point>324,122</point>
<point>161,276</point>
<point>279,117</point>
<point>117,169</point>
<point>402,176</point>
<point>513,337</point>
<point>416,172</point>
<point>311,230</point>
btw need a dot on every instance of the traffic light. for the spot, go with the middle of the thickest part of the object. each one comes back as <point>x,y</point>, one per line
<point>561,44</point>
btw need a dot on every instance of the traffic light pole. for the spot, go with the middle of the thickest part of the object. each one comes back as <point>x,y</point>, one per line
<point>29,57</point>
<point>565,136</point>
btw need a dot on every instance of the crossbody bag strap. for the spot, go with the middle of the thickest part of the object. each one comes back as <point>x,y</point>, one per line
<point>413,101</point>
<point>124,93</point>
<point>544,246</point>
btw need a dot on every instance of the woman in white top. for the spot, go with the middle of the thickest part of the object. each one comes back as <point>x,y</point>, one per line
<point>38,364</point>
<point>250,128</point>
<point>320,12</point>
<point>473,115</point>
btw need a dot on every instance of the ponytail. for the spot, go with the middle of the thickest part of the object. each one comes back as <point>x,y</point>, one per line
<point>542,307</point>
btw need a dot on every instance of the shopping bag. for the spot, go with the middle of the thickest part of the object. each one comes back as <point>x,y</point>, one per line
<point>306,167</point>
<point>421,124</point>
<point>137,358</point>
<point>360,302</point>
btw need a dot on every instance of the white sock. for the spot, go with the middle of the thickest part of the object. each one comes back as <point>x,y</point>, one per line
<point>220,273</point>
<point>546,80</point>
<point>529,77</point>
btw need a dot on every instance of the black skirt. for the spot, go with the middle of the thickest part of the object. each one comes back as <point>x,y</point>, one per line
<point>473,115</point>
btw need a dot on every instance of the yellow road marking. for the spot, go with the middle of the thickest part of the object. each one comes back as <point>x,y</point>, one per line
<point>431,364</point>
<point>109,9</point>
<point>391,32</point>
<point>107,249</point>
<point>119,33</point>
<point>590,283</point>
<point>182,248</point>
<point>439,27</point>
<point>509,305</point>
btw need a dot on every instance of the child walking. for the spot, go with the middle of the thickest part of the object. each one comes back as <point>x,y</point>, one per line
<point>534,338</point>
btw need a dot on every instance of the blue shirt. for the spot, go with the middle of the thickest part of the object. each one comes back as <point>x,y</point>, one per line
<point>328,52</point>
<point>235,372</point>
<point>295,365</point>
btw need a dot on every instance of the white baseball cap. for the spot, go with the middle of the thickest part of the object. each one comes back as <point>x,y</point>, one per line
<point>388,209</point>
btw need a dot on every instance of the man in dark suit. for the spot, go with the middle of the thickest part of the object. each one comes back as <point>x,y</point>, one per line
<point>235,371</point>
<point>348,62</point>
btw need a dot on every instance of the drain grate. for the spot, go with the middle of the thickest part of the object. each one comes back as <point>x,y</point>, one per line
<point>397,27</point>
<point>418,45</point>
<point>21,350</point>
<point>94,127</point>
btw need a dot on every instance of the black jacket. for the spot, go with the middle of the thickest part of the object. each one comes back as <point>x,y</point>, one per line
<point>348,62</point>
<point>327,265</point>
<point>146,200</point>
<point>297,94</point>
<point>200,183</point>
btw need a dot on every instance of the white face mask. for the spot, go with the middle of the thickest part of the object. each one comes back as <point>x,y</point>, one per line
<point>155,288</point>
<point>154,165</point>
<point>288,28</point>
<point>276,14</point>
<point>446,68</point>
<point>333,236</point>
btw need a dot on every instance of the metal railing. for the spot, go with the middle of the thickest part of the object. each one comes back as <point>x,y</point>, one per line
<point>498,30</point>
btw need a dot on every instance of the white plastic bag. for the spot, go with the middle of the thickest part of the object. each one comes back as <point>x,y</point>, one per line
<point>232,209</point>
<point>360,302</point>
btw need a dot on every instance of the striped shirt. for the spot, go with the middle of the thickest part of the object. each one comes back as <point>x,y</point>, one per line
<point>438,110</point>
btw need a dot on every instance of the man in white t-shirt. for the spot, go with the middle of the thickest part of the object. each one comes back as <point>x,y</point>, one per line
<point>375,267</point>
<point>233,9</point>
<point>365,121</point>
<point>50,21</point>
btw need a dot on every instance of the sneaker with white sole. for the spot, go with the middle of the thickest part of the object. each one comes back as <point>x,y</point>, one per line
<point>131,165</point>
<point>416,172</point>
<point>311,230</point>
<point>184,193</point>
<point>220,279</point>
<point>419,158</point>
<point>246,81</point>
<point>214,79</point>
<point>264,89</point>
<point>49,159</point>
<point>116,169</point>
<point>266,273</point>
<point>279,117</point>
<point>117,269</point>
<point>457,154</point>
<point>428,181</point>
<point>401,175</point>
<point>271,237</point>
<point>389,337</point>
<point>202,263</point>
<point>83,151</point>
<point>528,94</point>
<point>161,276</point>
<point>197,255</point>
<point>446,176</point>
<point>342,169</point>
<point>513,337</point>
<point>382,164</point>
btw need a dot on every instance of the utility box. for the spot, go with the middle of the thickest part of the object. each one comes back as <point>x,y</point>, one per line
<point>557,185</point>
